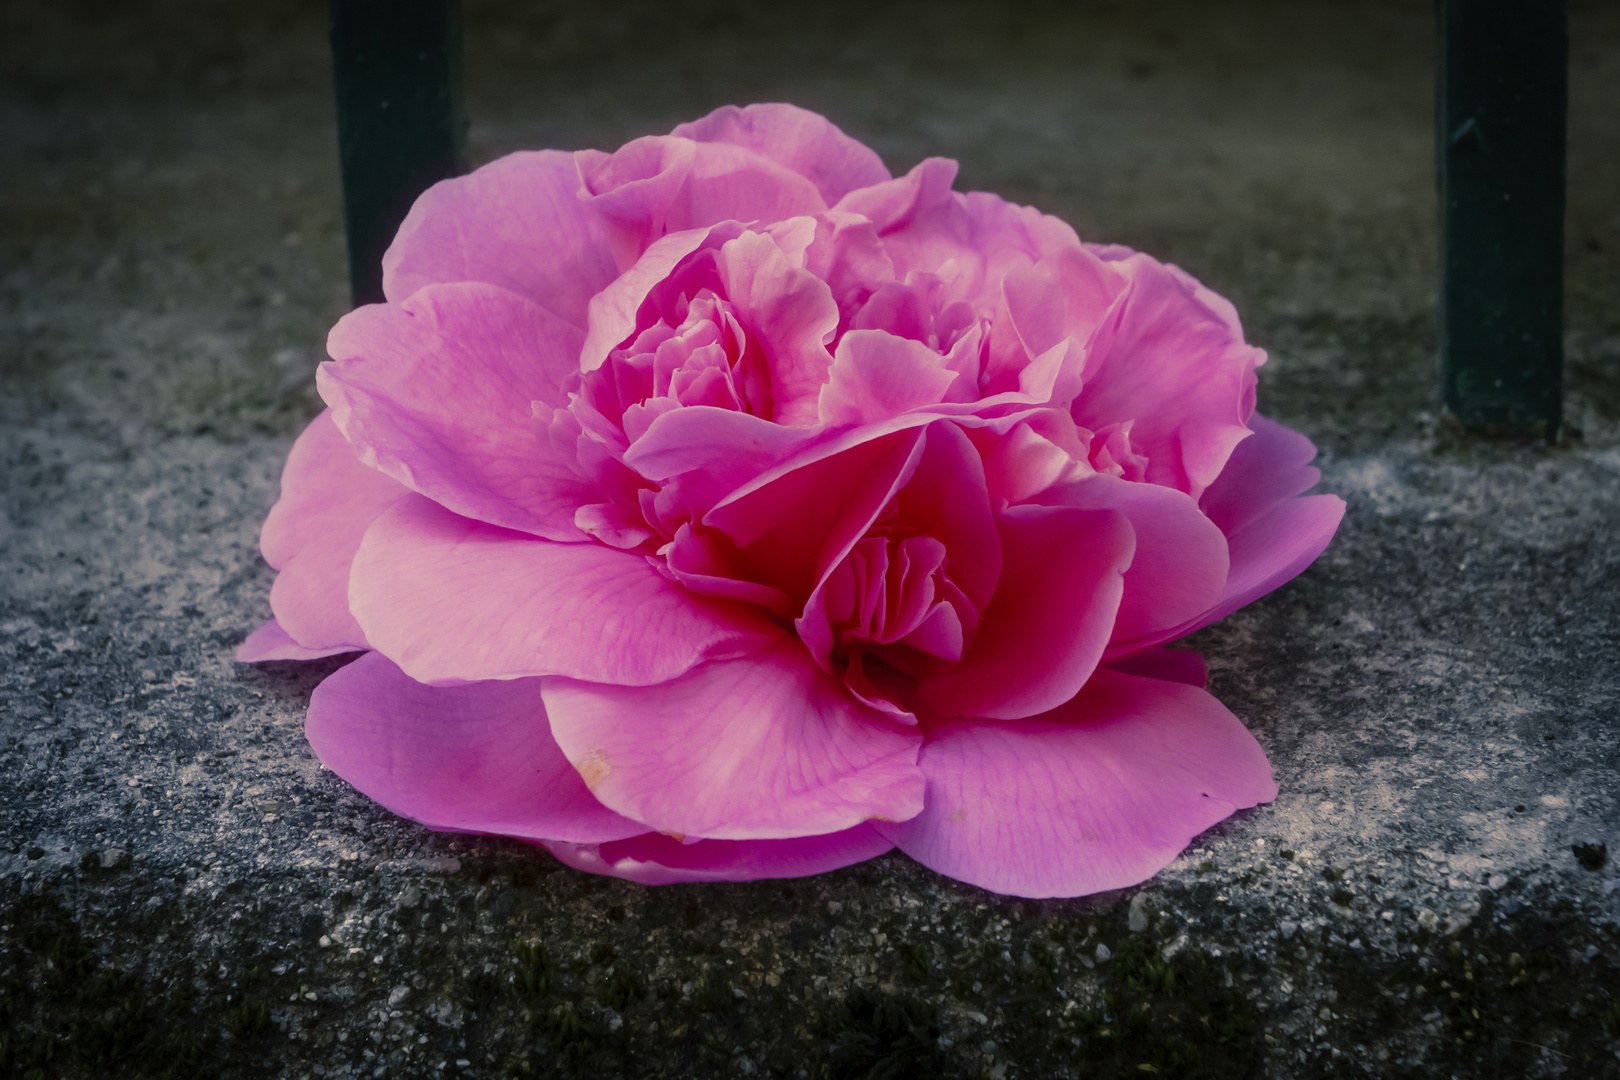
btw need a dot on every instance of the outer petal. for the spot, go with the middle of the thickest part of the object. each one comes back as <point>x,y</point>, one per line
<point>635,187</point>
<point>762,747</point>
<point>475,758</point>
<point>894,204</point>
<point>439,391</point>
<point>1269,466</point>
<point>1098,794</point>
<point>328,501</point>
<point>1273,550</point>
<point>271,642</point>
<point>1272,536</point>
<point>801,140</point>
<point>451,599</point>
<point>1044,632</point>
<point>979,236</point>
<point>655,859</point>
<point>518,223</point>
<point>733,183</point>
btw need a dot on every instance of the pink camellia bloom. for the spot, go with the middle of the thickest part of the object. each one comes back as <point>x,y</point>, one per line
<point>726,508</point>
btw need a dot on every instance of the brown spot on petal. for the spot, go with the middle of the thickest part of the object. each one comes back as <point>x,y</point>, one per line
<point>594,769</point>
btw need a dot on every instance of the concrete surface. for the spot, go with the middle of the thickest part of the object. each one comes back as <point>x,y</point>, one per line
<point>183,891</point>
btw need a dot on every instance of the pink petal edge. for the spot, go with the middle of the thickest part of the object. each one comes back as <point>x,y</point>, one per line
<point>329,498</point>
<point>475,758</point>
<point>655,859</point>
<point>764,747</point>
<point>450,599</point>
<point>1098,794</point>
<point>271,642</point>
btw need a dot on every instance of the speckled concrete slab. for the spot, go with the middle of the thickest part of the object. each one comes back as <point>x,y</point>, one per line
<point>184,891</point>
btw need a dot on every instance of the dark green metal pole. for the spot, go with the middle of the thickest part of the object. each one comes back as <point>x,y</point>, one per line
<point>1501,118</point>
<point>401,127</point>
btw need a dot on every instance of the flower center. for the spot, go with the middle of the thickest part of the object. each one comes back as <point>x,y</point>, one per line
<point>892,598</point>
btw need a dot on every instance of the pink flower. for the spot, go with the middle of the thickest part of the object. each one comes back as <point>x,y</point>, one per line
<point>725,508</point>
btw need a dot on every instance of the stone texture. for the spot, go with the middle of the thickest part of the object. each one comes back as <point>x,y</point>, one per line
<point>186,891</point>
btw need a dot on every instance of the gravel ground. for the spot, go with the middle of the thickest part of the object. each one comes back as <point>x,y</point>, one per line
<point>185,892</point>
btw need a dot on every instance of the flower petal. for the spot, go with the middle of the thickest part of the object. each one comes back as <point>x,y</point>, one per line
<point>655,859</point>
<point>328,501</point>
<point>713,451</point>
<point>1062,575</point>
<point>635,187</point>
<point>1174,665</point>
<point>792,528</point>
<point>271,642</point>
<point>450,599</point>
<point>734,183</point>
<point>762,747</point>
<point>1098,794</point>
<point>792,315</point>
<point>1269,466</point>
<point>1181,562</point>
<point>1176,369</point>
<point>476,758</point>
<point>1272,535</point>
<point>613,311</point>
<point>876,375</point>
<point>1066,294</point>
<point>893,204</point>
<point>1273,550</point>
<point>440,393</point>
<point>517,223</point>
<point>808,144</point>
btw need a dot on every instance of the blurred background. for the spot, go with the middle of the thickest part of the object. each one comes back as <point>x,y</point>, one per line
<point>171,241</point>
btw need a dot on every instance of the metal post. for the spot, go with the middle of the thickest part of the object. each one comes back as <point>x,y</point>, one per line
<point>401,126</point>
<point>1502,102</point>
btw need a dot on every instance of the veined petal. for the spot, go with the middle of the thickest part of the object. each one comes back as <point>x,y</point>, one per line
<point>1272,534</point>
<point>517,223</point>
<point>797,139</point>
<point>762,747</point>
<point>1269,466</point>
<point>439,392</point>
<point>476,758</point>
<point>328,501</point>
<point>451,599</point>
<point>1274,549</point>
<point>1098,794</point>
